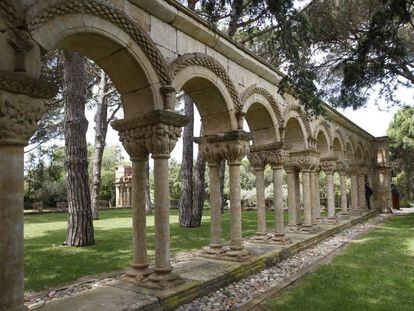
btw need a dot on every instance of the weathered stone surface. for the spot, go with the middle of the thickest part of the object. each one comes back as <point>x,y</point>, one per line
<point>105,298</point>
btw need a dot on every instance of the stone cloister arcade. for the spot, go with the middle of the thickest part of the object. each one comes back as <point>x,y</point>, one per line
<point>151,50</point>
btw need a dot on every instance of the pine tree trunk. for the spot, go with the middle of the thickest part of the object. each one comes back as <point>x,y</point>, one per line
<point>199,189</point>
<point>101,129</point>
<point>80,225</point>
<point>148,191</point>
<point>186,197</point>
<point>222,178</point>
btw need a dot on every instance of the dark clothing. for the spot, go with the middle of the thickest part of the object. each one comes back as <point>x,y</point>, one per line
<point>395,197</point>
<point>368,194</point>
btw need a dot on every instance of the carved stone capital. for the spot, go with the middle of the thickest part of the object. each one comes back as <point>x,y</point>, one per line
<point>158,131</point>
<point>276,158</point>
<point>274,154</point>
<point>230,146</point>
<point>304,160</point>
<point>342,167</point>
<point>257,159</point>
<point>133,141</point>
<point>211,152</point>
<point>19,115</point>
<point>328,164</point>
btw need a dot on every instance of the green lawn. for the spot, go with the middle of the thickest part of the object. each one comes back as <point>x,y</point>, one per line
<point>375,273</point>
<point>49,264</point>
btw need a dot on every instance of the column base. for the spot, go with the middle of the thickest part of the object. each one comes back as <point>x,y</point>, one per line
<point>355,212</point>
<point>161,278</point>
<point>137,273</point>
<point>331,220</point>
<point>280,238</point>
<point>238,254</point>
<point>292,228</point>
<point>308,229</point>
<point>319,220</point>
<point>214,249</point>
<point>344,215</point>
<point>260,236</point>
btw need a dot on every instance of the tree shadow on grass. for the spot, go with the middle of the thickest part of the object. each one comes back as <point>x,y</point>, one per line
<point>49,264</point>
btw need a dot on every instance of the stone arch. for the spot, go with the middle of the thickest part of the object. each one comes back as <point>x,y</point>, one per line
<point>295,135</point>
<point>113,40</point>
<point>349,151</point>
<point>359,153</point>
<point>208,84</point>
<point>338,146</point>
<point>297,112</point>
<point>262,115</point>
<point>323,142</point>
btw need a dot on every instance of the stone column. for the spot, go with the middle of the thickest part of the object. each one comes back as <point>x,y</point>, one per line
<point>317,206</point>
<point>275,158</point>
<point>307,203</point>
<point>361,193</point>
<point>117,195</point>
<point>307,163</point>
<point>22,103</point>
<point>354,190</point>
<point>210,153</point>
<point>159,130</point>
<point>297,198</point>
<point>343,171</point>
<point>290,172</point>
<point>257,160</point>
<point>138,152</point>
<point>313,197</point>
<point>328,165</point>
<point>234,148</point>
<point>130,195</point>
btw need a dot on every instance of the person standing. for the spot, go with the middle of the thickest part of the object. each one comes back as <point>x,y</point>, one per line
<point>395,197</point>
<point>368,194</point>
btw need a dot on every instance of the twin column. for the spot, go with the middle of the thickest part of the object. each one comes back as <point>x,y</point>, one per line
<point>231,146</point>
<point>156,133</point>
<point>259,157</point>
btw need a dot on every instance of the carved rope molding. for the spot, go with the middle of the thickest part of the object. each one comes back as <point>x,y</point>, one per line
<point>206,61</point>
<point>10,13</point>
<point>270,99</point>
<point>304,118</point>
<point>21,84</point>
<point>107,11</point>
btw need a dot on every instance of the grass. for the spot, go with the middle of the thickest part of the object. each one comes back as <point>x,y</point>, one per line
<point>49,264</point>
<point>375,273</point>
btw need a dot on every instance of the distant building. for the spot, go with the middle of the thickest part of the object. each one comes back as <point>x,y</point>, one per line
<point>123,186</point>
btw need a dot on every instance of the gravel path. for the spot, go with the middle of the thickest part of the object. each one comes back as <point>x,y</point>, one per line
<point>245,290</point>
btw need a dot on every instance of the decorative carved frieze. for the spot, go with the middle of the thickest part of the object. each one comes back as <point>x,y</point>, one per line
<point>156,132</point>
<point>231,146</point>
<point>19,83</point>
<point>328,164</point>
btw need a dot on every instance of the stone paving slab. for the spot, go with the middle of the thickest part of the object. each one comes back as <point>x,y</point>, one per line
<point>198,276</point>
<point>105,298</point>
